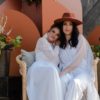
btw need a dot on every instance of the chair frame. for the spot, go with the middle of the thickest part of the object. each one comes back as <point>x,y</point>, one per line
<point>22,70</point>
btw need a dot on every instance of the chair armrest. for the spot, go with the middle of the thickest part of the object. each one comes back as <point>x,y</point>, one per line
<point>22,71</point>
<point>96,60</point>
<point>22,65</point>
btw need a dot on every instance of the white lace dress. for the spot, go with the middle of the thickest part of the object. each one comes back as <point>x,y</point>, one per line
<point>43,82</point>
<point>82,77</point>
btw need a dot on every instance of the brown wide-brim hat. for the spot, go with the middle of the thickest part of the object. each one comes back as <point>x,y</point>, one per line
<point>68,17</point>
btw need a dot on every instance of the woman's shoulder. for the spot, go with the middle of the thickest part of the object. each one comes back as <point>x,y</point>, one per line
<point>81,37</point>
<point>43,38</point>
<point>40,41</point>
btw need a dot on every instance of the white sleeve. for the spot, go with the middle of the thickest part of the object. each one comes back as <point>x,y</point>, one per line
<point>39,44</point>
<point>43,50</point>
<point>39,50</point>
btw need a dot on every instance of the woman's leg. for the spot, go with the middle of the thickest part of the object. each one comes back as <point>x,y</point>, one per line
<point>79,85</point>
<point>64,82</point>
<point>92,93</point>
<point>43,83</point>
<point>76,87</point>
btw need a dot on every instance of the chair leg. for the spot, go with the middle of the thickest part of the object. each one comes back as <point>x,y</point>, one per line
<point>24,88</point>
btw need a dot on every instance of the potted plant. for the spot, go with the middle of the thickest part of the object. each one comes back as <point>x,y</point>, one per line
<point>7,43</point>
<point>96,50</point>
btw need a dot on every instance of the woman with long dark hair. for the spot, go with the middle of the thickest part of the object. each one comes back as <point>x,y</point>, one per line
<point>43,82</point>
<point>76,61</point>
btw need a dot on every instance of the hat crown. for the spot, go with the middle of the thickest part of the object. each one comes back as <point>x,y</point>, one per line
<point>68,15</point>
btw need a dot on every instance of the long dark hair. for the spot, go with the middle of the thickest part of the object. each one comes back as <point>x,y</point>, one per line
<point>57,25</point>
<point>74,37</point>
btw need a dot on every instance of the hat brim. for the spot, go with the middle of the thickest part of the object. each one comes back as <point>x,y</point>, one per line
<point>77,22</point>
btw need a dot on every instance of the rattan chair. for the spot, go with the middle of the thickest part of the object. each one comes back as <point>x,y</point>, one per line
<point>23,69</point>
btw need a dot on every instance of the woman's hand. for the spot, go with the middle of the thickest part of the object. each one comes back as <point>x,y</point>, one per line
<point>63,72</point>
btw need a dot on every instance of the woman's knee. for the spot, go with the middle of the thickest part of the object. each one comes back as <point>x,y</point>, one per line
<point>82,78</point>
<point>81,83</point>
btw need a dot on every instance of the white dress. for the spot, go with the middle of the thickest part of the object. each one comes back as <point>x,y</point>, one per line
<point>43,82</point>
<point>82,77</point>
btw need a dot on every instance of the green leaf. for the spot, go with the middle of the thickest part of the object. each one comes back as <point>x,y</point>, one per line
<point>2,44</point>
<point>19,38</point>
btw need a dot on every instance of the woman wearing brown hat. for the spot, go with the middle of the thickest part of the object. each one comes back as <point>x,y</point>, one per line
<point>76,60</point>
